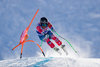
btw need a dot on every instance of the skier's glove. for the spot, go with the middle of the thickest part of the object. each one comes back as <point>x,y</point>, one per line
<point>53,30</point>
<point>44,33</point>
<point>46,36</point>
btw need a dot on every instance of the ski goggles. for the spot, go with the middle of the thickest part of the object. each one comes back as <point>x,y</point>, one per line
<point>43,24</point>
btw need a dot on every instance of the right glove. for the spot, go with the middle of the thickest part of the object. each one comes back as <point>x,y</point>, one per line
<point>52,29</point>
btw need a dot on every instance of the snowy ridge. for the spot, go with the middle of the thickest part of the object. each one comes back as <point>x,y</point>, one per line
<point>51,62</point>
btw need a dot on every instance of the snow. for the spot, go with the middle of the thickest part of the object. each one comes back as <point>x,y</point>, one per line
<point>51,62</point>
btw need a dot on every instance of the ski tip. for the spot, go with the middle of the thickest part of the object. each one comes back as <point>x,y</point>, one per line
<point>38,9</point>
<point>20,55</point>
<point>43,54</point>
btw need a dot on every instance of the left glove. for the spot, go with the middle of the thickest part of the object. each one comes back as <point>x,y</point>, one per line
<point>46,36</point>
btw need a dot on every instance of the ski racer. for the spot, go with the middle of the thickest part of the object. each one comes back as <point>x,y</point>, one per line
<point>45,34</point>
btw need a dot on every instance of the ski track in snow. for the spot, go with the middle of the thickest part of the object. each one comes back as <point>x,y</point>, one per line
<point>51,62</point>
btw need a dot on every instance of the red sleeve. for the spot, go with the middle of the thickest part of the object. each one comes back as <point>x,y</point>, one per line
<point>39,29</point>
<point>49,25</point>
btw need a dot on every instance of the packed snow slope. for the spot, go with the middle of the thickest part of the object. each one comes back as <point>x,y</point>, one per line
<point>51,62</point>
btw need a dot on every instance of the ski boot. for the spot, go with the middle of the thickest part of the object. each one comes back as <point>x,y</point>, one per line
<point>57,50</point>
<point>64,49</point>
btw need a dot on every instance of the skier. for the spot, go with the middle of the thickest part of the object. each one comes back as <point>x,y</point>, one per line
<point>44,33</point>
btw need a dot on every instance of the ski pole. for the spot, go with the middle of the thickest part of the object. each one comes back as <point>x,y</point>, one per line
<point>41,43</point>
<point>68,42</point>
<point>41,46</point>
